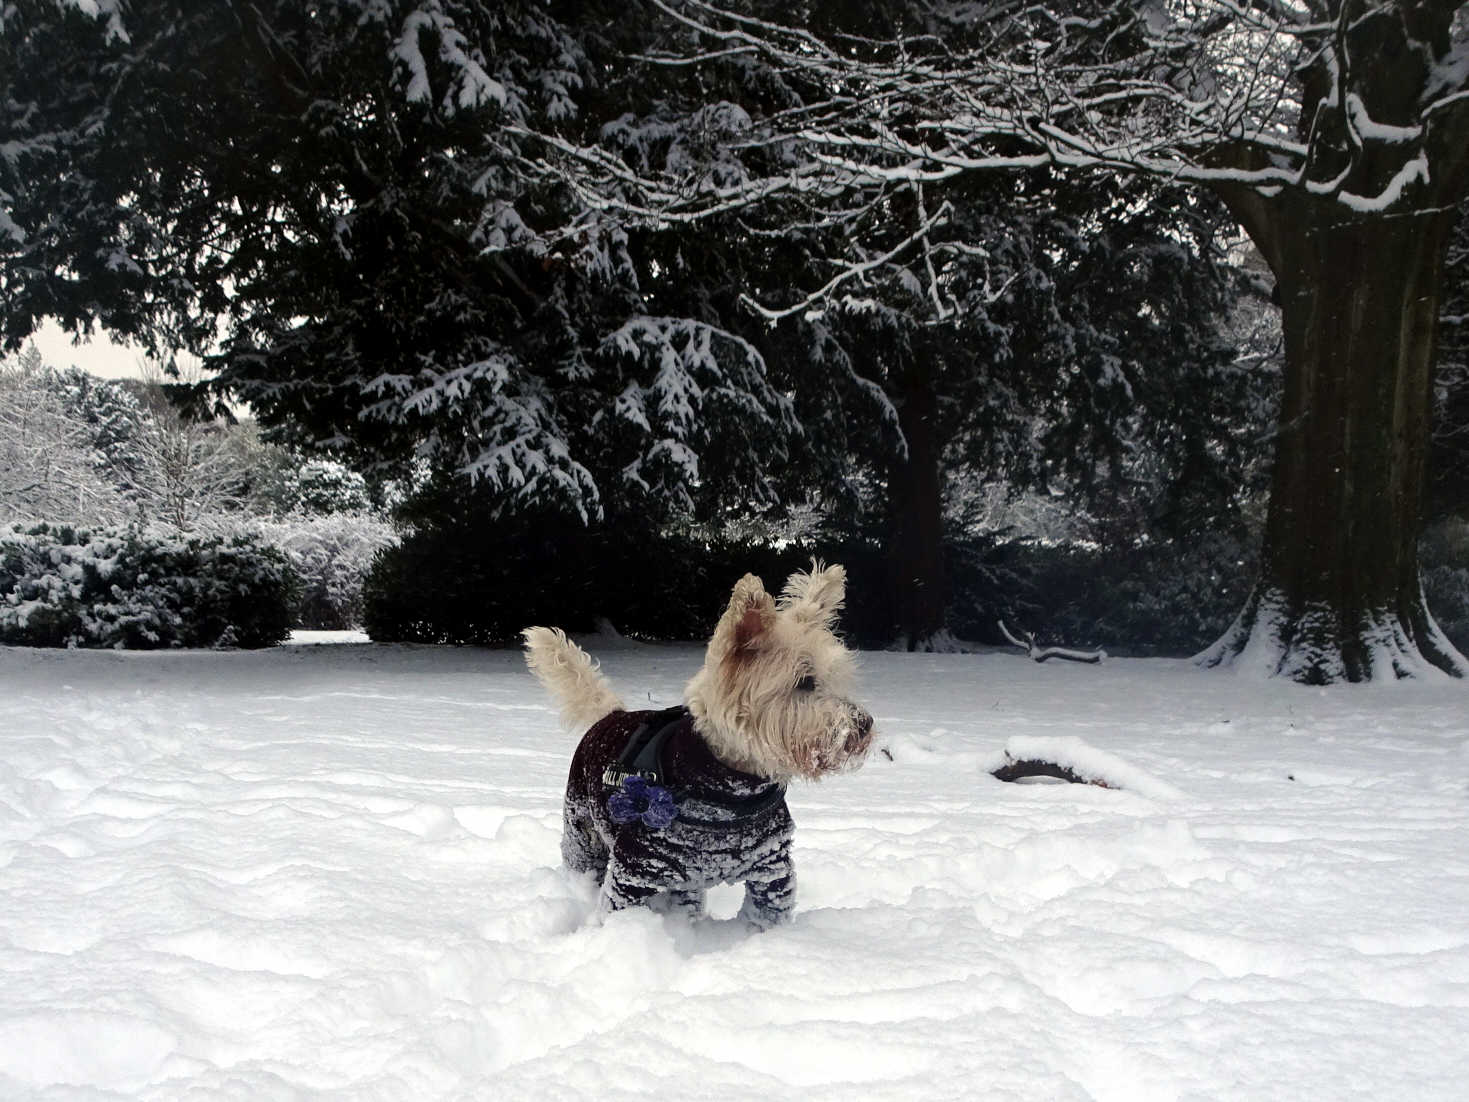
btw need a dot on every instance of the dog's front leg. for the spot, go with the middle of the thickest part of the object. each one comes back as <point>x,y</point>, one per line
<point>628,883</point>
<point>770,890</point>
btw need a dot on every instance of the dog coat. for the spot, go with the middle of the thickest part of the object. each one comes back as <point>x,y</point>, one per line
<point>726,826</point>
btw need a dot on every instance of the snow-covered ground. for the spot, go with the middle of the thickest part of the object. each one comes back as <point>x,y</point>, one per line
<point>331,872</point>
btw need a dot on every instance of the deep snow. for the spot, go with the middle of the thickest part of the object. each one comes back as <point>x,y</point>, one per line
<point>331,872</point>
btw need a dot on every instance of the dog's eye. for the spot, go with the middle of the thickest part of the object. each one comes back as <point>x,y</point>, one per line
<point>807,684</point>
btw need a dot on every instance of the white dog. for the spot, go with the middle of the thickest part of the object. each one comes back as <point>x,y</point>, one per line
<point>676,801</point>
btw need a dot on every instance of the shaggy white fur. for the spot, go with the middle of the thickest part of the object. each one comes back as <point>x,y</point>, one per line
<point>571,676</point>
<point>773,696</point>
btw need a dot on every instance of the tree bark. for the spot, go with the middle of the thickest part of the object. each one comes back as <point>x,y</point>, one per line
<point>1339,597</point>
<point>915,497</point>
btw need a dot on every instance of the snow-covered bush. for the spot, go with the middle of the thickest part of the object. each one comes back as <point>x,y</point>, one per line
<point>480,580</point>
<point>1444,556</point>
<point>326,486</point>
<point>107,587</point>
<point>51,467</point>
<point>473,580</point>
<point>292,484</point>
<point>1170,598</point>
<point>331,555</point>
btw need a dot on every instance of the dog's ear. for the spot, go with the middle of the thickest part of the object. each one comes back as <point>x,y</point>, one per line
<point>748,618</point>
<point>816,596</point>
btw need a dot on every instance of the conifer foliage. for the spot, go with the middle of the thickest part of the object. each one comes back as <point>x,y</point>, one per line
<point>678,262</point>
<point>329,199</point>
<point>1335,131</point>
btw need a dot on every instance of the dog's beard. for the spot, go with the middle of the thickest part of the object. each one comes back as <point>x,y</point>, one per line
<point>843,751</point>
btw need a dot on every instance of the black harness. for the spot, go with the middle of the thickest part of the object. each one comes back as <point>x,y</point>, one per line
<point>643,757</point>
<point>643,754</point>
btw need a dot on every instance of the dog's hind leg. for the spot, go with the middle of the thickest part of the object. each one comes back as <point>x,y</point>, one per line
<point>688,902</point>
<point>582,848</point>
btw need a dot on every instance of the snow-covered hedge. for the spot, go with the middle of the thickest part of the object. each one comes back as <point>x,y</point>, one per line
<point>1444,557</point>
<point>1177,598</point>
<point>1162,599</point>
<point>482,581</point>
<point>109,587</point>
<point>331,555</point>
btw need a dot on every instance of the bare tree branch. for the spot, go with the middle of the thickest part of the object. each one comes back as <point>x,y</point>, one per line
<point>1207,92</point>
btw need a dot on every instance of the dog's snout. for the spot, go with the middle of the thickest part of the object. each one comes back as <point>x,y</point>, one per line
<point>861,735</point>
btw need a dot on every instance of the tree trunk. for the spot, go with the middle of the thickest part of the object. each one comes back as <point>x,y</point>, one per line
<point>1338,596</point>
<point>915,498</point>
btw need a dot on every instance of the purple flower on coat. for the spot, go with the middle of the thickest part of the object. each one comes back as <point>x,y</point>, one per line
<point>637,799</point>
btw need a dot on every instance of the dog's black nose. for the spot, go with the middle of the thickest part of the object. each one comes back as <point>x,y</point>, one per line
<point>862,734</point>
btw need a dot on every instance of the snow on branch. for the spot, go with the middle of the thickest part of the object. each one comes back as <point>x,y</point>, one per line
<point>472,86</point>
<point>1211,92</point>
<point>852,270</point>
<point>111,10</point>
<point>691,387</point>
<point>8,227</point>
<point>1041,654</point>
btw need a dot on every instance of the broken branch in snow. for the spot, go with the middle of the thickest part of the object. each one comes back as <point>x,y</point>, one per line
<point>1072,760</point>
<point>1040,654</point>
<point>1016,768</point>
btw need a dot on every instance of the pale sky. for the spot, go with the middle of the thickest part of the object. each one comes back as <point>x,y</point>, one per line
<point>100,356</point>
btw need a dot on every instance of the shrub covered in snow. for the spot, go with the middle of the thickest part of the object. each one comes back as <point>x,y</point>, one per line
<point>1172,598</point>
<point>331,555</point>
<point>1444,557</point>
<point>51,464</point>
<point>288,483</point>
<point>480,580</point>
<point>473,580</point>
<point>107,587</point>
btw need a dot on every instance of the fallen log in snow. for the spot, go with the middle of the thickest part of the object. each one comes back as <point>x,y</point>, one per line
<point>1068,758</point>
<point>1040,654</point>
<point>1016,769</point>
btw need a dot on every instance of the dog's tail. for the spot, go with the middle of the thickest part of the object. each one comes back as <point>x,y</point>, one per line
<point>570,676</point>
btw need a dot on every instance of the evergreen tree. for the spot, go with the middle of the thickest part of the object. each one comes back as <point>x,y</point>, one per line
<point>350,190</point>
<point>340,190</point>
<point>1336,131</point>
<point>114,415</point>
<point>1449,460</point>
<point>1076,347</point>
